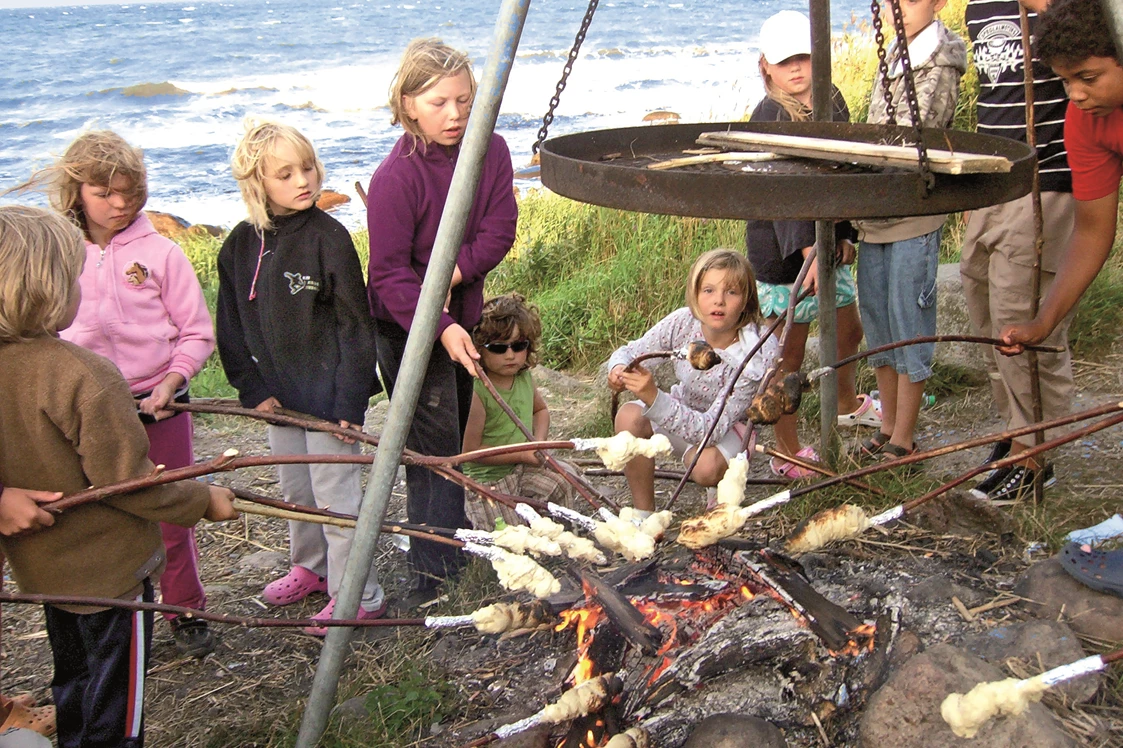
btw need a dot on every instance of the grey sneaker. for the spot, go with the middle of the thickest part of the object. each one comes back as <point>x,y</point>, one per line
<point>193,638</point>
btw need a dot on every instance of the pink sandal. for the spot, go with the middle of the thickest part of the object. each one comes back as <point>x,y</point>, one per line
<point>325,615</point>
<point>298,584</point>
<point>786,469</point>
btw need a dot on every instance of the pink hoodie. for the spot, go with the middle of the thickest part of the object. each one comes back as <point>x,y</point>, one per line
<point>143,308</point>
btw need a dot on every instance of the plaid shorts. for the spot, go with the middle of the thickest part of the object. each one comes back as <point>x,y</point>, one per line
<point>774,297</point>
<point>525,480</point>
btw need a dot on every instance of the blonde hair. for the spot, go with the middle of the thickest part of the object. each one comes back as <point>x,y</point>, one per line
<point>790,104</point>
<point>257,146</point>
<point>96,158</point>
<point>739,273</point>
<point>425,63</point>
<point>41,258</point>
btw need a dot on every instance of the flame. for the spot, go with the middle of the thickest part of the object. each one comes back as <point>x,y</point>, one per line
<point>585,620</point>
<point>861,640</point>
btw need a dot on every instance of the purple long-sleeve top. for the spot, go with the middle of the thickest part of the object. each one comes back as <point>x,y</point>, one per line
<point>404,205</point>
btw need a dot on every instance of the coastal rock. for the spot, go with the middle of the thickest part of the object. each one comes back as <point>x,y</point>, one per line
<point>906,710</point>
<point>153,89</point>
<point>167,224</point>
<point>1051,590</point>
<point>329,200</point>
<point>1039,644</point>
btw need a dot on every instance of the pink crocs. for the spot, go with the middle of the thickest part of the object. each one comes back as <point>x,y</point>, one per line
<point>298,584</point>
<point>786,469</point>
<point>325,615</point>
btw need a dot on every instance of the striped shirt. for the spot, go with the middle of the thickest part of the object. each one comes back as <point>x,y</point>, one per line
<point>996,39</point>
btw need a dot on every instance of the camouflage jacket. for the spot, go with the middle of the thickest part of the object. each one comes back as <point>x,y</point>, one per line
<point>939,59</point>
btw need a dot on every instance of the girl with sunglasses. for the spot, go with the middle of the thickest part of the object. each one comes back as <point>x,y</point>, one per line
<point>507,339</point>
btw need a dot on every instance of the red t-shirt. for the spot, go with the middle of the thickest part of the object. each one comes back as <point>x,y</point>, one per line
<point>1095,152</point>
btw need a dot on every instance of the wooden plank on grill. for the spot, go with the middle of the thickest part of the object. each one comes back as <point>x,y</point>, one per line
<point>713,158</point>
<point>627,619</point>
<point>854,152</point>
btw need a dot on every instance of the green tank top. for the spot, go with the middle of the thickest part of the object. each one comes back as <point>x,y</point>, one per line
<point>499,429</point>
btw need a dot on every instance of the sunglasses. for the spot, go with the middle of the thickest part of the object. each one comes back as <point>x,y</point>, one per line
<point>500,348</point>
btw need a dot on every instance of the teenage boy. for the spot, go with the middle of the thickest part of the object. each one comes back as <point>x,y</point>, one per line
<point>998,250</point>
<point>1074,38</point>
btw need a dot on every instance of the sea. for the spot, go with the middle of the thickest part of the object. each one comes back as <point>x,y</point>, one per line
<point>179,79</point>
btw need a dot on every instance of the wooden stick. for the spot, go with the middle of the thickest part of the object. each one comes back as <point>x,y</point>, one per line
<point>709,158</point>
<point>928,339</point>
<point>113,602</point>
<point>856,152</point>
<point>817,468</point>
<point>583,488</point>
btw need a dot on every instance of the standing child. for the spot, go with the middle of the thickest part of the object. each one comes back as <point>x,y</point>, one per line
<point>431,96</point>
<point>73,427</point>
<point>722,308</point>
<point>777,249</point>
<point>143,309</point>
<point>507,338</point>
<point>899,257</point>
<point>294,330</point>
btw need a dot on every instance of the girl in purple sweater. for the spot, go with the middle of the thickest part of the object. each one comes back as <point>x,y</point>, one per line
<point>431,96</point>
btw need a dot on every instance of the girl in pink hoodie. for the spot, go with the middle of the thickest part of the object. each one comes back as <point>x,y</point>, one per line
<point>143,309</point>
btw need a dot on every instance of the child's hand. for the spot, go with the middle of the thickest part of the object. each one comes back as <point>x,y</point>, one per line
<point>846,252</point>
<point>641,383</point>
<point>343,437</point>
<point>458,344</point>
<point>615,378</point>
<point>268,405</point>
<point>161,395</point>
<point>20,512</point>
<point>221,506</point>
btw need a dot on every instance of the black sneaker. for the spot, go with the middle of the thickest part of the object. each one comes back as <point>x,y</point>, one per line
<point>1019,484</point>
<point>193,638</point>
<point>993,480</point>
<point>998,451</point>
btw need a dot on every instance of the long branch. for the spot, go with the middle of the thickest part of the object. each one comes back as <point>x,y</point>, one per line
<point>245,622</point>
<point>930,339</point>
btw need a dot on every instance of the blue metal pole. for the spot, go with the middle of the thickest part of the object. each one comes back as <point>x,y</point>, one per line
<point>415,359</point>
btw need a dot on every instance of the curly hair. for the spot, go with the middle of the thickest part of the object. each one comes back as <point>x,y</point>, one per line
<point>502,317</point>
<point>1071,31</point>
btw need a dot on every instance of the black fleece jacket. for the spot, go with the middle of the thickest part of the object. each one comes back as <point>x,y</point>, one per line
<point>307,337</point>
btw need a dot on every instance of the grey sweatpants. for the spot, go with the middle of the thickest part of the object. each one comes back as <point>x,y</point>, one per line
<point>322,549</point>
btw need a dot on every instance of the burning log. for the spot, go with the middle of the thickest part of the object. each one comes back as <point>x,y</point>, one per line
<point>584,698</point>
<point>617,451</point>
<point>849,521</point>
<point>516,572</point>
<point>627,619</point>
<point>778,399</point>
<point>966,714</point>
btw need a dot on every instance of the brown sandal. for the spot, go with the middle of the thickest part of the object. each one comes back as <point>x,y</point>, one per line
<point>40,719</point>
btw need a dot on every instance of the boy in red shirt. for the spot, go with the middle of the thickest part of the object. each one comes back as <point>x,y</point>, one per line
<point>1074,38</point>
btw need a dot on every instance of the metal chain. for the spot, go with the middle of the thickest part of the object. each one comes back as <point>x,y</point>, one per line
<point>882,63</point>
<point>549,116</point>
<point>927,179</point>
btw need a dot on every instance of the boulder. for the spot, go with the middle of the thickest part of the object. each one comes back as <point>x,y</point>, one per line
<point>906,710</point>
<point>166,224</point>
<point>329,200</point>
<point>1040,644</point>
<point>735,731</point>
<point>1051,590</point>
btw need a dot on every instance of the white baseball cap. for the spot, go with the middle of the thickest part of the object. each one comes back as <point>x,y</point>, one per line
<point>784,35</point>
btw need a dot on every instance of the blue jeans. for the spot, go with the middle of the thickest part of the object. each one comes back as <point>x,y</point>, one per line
<point>897,299</point>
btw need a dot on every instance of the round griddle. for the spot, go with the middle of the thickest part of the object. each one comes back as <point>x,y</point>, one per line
<point>609,168</point>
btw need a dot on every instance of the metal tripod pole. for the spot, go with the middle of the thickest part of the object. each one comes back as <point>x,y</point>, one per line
<point>822,110</point>
<point>415,359</point>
